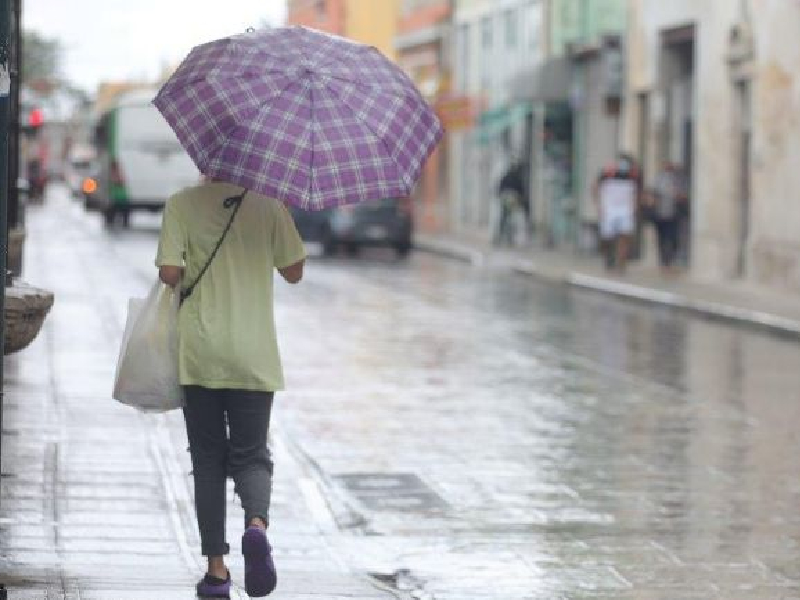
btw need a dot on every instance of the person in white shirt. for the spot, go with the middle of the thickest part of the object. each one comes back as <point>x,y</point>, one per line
<point>616,193</point>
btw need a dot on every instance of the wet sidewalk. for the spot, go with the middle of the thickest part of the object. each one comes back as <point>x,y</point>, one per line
<point>556,447</point>
<point>733,301</point>
<point>96,498</point>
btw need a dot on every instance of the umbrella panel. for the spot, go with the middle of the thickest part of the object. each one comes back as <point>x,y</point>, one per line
<point>271,150</point>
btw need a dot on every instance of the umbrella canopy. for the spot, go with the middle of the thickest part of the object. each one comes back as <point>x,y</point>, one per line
<point>308,118</point>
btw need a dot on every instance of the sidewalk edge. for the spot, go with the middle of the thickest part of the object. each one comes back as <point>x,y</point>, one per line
<point>715,310</point>
<point>461,252</point>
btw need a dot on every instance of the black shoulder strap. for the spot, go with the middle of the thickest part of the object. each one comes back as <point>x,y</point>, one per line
<point>236,202</point>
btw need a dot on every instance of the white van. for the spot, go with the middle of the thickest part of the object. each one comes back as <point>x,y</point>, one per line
<point>140,160</point>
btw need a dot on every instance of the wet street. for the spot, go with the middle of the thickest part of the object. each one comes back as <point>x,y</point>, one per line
<point>448,432</point>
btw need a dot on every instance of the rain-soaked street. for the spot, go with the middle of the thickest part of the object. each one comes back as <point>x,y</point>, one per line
<point>455,432</point>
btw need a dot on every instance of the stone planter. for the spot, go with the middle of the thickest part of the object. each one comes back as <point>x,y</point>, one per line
<point>25,310</point>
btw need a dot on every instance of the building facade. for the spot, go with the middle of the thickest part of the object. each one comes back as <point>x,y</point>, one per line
<point>713,86</point>
<point>548,75</point>
<point>492,41</point>
<point>373,23</point>
<point>366,21</point>
<point>325,15</point>
<point>590,35</point>
<point>423,45</point>
<point>576,92</point>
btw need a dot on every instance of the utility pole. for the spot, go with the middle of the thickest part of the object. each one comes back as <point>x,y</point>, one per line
<point>5,92</point>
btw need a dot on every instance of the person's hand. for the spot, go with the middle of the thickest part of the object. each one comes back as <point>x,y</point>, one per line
<point>170,275</point>
<point>293,273</point>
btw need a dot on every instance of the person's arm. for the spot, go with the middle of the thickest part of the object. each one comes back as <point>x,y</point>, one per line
<point>596,194</point>
<point>287,246</point>
<point>170,274</point>
<point>171,245</point>
<point>294,272</point>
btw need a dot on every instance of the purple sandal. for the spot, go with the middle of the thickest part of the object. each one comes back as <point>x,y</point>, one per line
<point>213,587</point>
<point>260,577</point>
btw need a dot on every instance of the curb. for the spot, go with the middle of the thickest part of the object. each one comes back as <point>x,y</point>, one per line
<point>460,252</point>
<point>714,310</point>
<point>756,319</point>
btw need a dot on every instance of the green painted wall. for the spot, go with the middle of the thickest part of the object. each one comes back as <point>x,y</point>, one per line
<point>584,21</point>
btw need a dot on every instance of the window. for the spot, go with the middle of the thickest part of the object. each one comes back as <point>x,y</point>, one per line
<point>533,24</point>
<point>487,62</point>
<point>465,55</point>
<point>486,33</point>
<point>511,27</point>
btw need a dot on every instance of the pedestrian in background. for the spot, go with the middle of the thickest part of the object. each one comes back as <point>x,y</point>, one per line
<point>512,192</point>
<point>616,193</point>
<point>666,201</point>
<point>229,362</point>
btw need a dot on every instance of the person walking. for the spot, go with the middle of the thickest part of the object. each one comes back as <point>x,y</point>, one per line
<point>617,197</point>
<point>240,124</point>
<point>221,245</point>
<point>513,194</point>
<point>666,201</point>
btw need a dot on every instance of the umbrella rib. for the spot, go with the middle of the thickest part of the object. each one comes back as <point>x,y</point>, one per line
<point>407,91</point>
<point>310,191</point>
<point>222,80</point>
<point>221,140</point>
<point>258,106</point>
<point>374,133</point>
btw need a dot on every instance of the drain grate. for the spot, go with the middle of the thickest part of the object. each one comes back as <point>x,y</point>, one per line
<point>402,492</point>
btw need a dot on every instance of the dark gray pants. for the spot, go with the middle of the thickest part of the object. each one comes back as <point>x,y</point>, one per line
<point>227,431</point>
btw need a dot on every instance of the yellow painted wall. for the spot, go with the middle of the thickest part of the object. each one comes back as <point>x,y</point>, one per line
<point>373,22</point>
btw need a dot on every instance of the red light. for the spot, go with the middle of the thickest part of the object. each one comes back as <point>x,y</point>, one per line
<point>89,186</point>
<point>35,117</point>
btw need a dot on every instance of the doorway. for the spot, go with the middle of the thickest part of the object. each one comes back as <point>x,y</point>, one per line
<point>677,141</point>
<point>743,131</point>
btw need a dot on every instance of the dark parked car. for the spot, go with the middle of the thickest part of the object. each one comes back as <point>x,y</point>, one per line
<point>387,223</point>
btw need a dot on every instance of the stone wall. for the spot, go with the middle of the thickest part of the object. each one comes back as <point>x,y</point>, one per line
<point>775,243</point>
<point>771,250</point>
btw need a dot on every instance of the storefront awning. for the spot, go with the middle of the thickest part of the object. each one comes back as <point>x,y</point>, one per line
<point>494,122</point>
<point>548,82</point>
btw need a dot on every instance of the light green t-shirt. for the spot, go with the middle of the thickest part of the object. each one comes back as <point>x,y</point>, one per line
<point>227,327</point>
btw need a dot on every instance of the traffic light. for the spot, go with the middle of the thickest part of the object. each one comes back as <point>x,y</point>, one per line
<point>33,122</point>
<point>35,117</point>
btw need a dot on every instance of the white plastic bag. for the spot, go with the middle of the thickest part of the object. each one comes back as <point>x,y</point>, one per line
<point>147,367</point>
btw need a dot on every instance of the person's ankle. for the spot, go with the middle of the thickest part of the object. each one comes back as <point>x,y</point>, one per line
<point>258,522</point>
<point>219,573</point>
<point>218,569</point>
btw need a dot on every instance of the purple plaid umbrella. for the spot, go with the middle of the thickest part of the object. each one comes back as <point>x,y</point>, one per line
<point>308,118</point>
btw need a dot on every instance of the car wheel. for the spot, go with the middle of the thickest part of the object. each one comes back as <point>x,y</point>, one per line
<point>328,243</point>
<point>352,248</point>
<point>403,249</point>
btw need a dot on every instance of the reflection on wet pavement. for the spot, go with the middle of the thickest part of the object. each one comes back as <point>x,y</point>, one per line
<point>583,446</point>
<point>473,434</point>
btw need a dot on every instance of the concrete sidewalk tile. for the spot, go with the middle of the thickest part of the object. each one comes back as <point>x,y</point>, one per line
<point>96,497</point>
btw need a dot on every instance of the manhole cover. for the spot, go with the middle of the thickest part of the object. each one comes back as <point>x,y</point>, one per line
<point>404,492</point>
